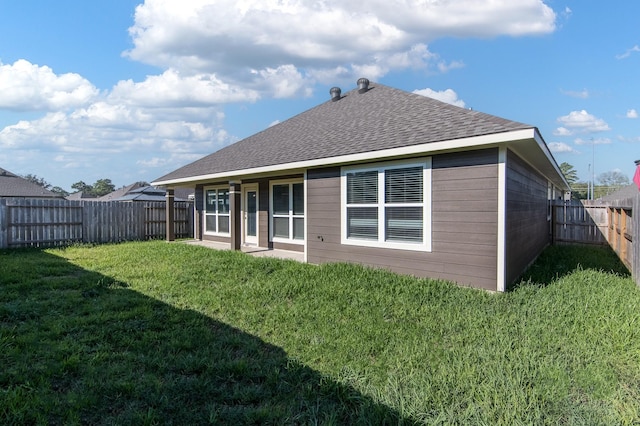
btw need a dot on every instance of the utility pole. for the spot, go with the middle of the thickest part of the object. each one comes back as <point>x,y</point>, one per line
<point>593,171</point>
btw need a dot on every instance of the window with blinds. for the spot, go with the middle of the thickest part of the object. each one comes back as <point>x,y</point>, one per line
<point>387,205</point>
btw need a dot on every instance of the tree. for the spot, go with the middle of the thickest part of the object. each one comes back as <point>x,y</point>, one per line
<point>37,180</point>
<point>103,187</point>
<point>580,190</point>
<point>569,173</point>
<point>98,189</point>
<point>58,190</point>
<point>82,187</point>
<point>613,179</point>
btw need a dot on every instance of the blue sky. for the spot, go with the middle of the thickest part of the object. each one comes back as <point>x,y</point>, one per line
<point>131,90</point>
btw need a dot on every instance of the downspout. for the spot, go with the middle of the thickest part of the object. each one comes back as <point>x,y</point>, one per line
<point>501,271</point>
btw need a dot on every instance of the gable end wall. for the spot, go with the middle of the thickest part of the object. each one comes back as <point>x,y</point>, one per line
<point>527,226</point>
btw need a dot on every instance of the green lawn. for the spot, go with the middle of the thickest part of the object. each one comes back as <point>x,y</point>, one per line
<point>159,333</point>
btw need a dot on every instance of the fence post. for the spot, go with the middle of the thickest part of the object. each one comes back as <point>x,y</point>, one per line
<point>4,227</point>
<point>171,233</point>
<point>635,243</point>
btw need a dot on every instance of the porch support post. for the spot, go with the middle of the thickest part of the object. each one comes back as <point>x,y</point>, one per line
<point>198,207</point>
<point>235,197</point>
<point>171,235</point>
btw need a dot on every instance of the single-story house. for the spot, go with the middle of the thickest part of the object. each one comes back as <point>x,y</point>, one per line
<point>385,178</point>
<point>141,191</point>
<point>150,193</point>
<point>81,196</point>
<point>121,192</point>
<point>624,193</point>
<point>12,185</point>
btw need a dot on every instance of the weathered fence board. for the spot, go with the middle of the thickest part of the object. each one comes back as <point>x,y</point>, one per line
<point>635,239</point>
<point>575,223</point>
<point>616,223</point>
<point>41,223</point>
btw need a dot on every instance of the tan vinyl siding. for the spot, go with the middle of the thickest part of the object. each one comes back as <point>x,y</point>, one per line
<point>464,223</point>
<point>527,227</point>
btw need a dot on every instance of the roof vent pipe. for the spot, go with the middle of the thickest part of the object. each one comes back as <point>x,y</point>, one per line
<point>363,85</point>
<point>335,93</point>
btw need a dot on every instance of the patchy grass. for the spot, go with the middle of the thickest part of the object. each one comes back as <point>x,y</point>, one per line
<point>158,333</point>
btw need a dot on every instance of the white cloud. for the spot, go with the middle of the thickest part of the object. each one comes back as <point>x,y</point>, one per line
<point>29,87</point>
<point>562,131</point>
<point>632,113</point>
<point>215,52</point>
<point>580,122</point>
<point>582,94</point>
<point>557,147</point>
<point>103,128</point>
<point>629,140</point>
<point>233,37</point>
<point>444,67</point>
<point>628,53</point>
<point>284,81</point>
<point>172,89</point>
<point>449,96</point>
<point>592,141</point>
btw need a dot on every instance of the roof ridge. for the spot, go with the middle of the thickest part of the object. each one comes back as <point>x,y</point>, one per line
<point>379,118</point>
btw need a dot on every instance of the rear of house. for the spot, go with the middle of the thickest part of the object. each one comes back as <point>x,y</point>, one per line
<point>388,179</point>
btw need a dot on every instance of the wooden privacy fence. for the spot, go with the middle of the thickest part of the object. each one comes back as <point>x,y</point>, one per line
<point>616,223</point>
<point>619,233</point>
<point>576,223</point>
<point>623,232</point>
<point>28,222</point>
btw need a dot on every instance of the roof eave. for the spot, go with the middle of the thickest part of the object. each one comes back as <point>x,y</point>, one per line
<point>431,147</point>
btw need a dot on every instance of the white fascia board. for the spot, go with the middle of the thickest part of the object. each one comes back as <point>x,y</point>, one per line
<point>471,142</point>
<point>543,146</point>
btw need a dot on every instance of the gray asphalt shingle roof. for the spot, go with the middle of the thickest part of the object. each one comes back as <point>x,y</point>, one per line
<point>12,185</point>
<point>147,193</point>
<point>623,193</point>
<point>381,118</point>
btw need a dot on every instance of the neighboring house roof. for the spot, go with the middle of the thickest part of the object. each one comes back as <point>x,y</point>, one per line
<point>118,193</point>
<point>623,193</point>
<point>358,125</point>
<point>146,193</point>
<point>12,185</point>
<point>80,195</point>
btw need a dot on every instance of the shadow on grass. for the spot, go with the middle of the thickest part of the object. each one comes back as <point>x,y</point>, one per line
<point>558,261</point>
<point>79,347</point>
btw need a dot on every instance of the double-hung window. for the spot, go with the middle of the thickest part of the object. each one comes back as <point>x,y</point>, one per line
<point>388,205</point>
<point>287,211</point>
<point>216,212</point>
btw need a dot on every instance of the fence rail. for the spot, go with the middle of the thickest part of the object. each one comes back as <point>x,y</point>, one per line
<point>41,223</point>
<point>576,223</point>
<point>620,233</point>
<point>616,223</point>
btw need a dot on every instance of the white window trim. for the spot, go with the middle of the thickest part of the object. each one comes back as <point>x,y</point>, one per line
<point>204,225</point>
<point>291,216</point>
<point>425,245</point>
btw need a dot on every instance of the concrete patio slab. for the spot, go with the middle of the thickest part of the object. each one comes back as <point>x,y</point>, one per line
<point>253,251</point>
